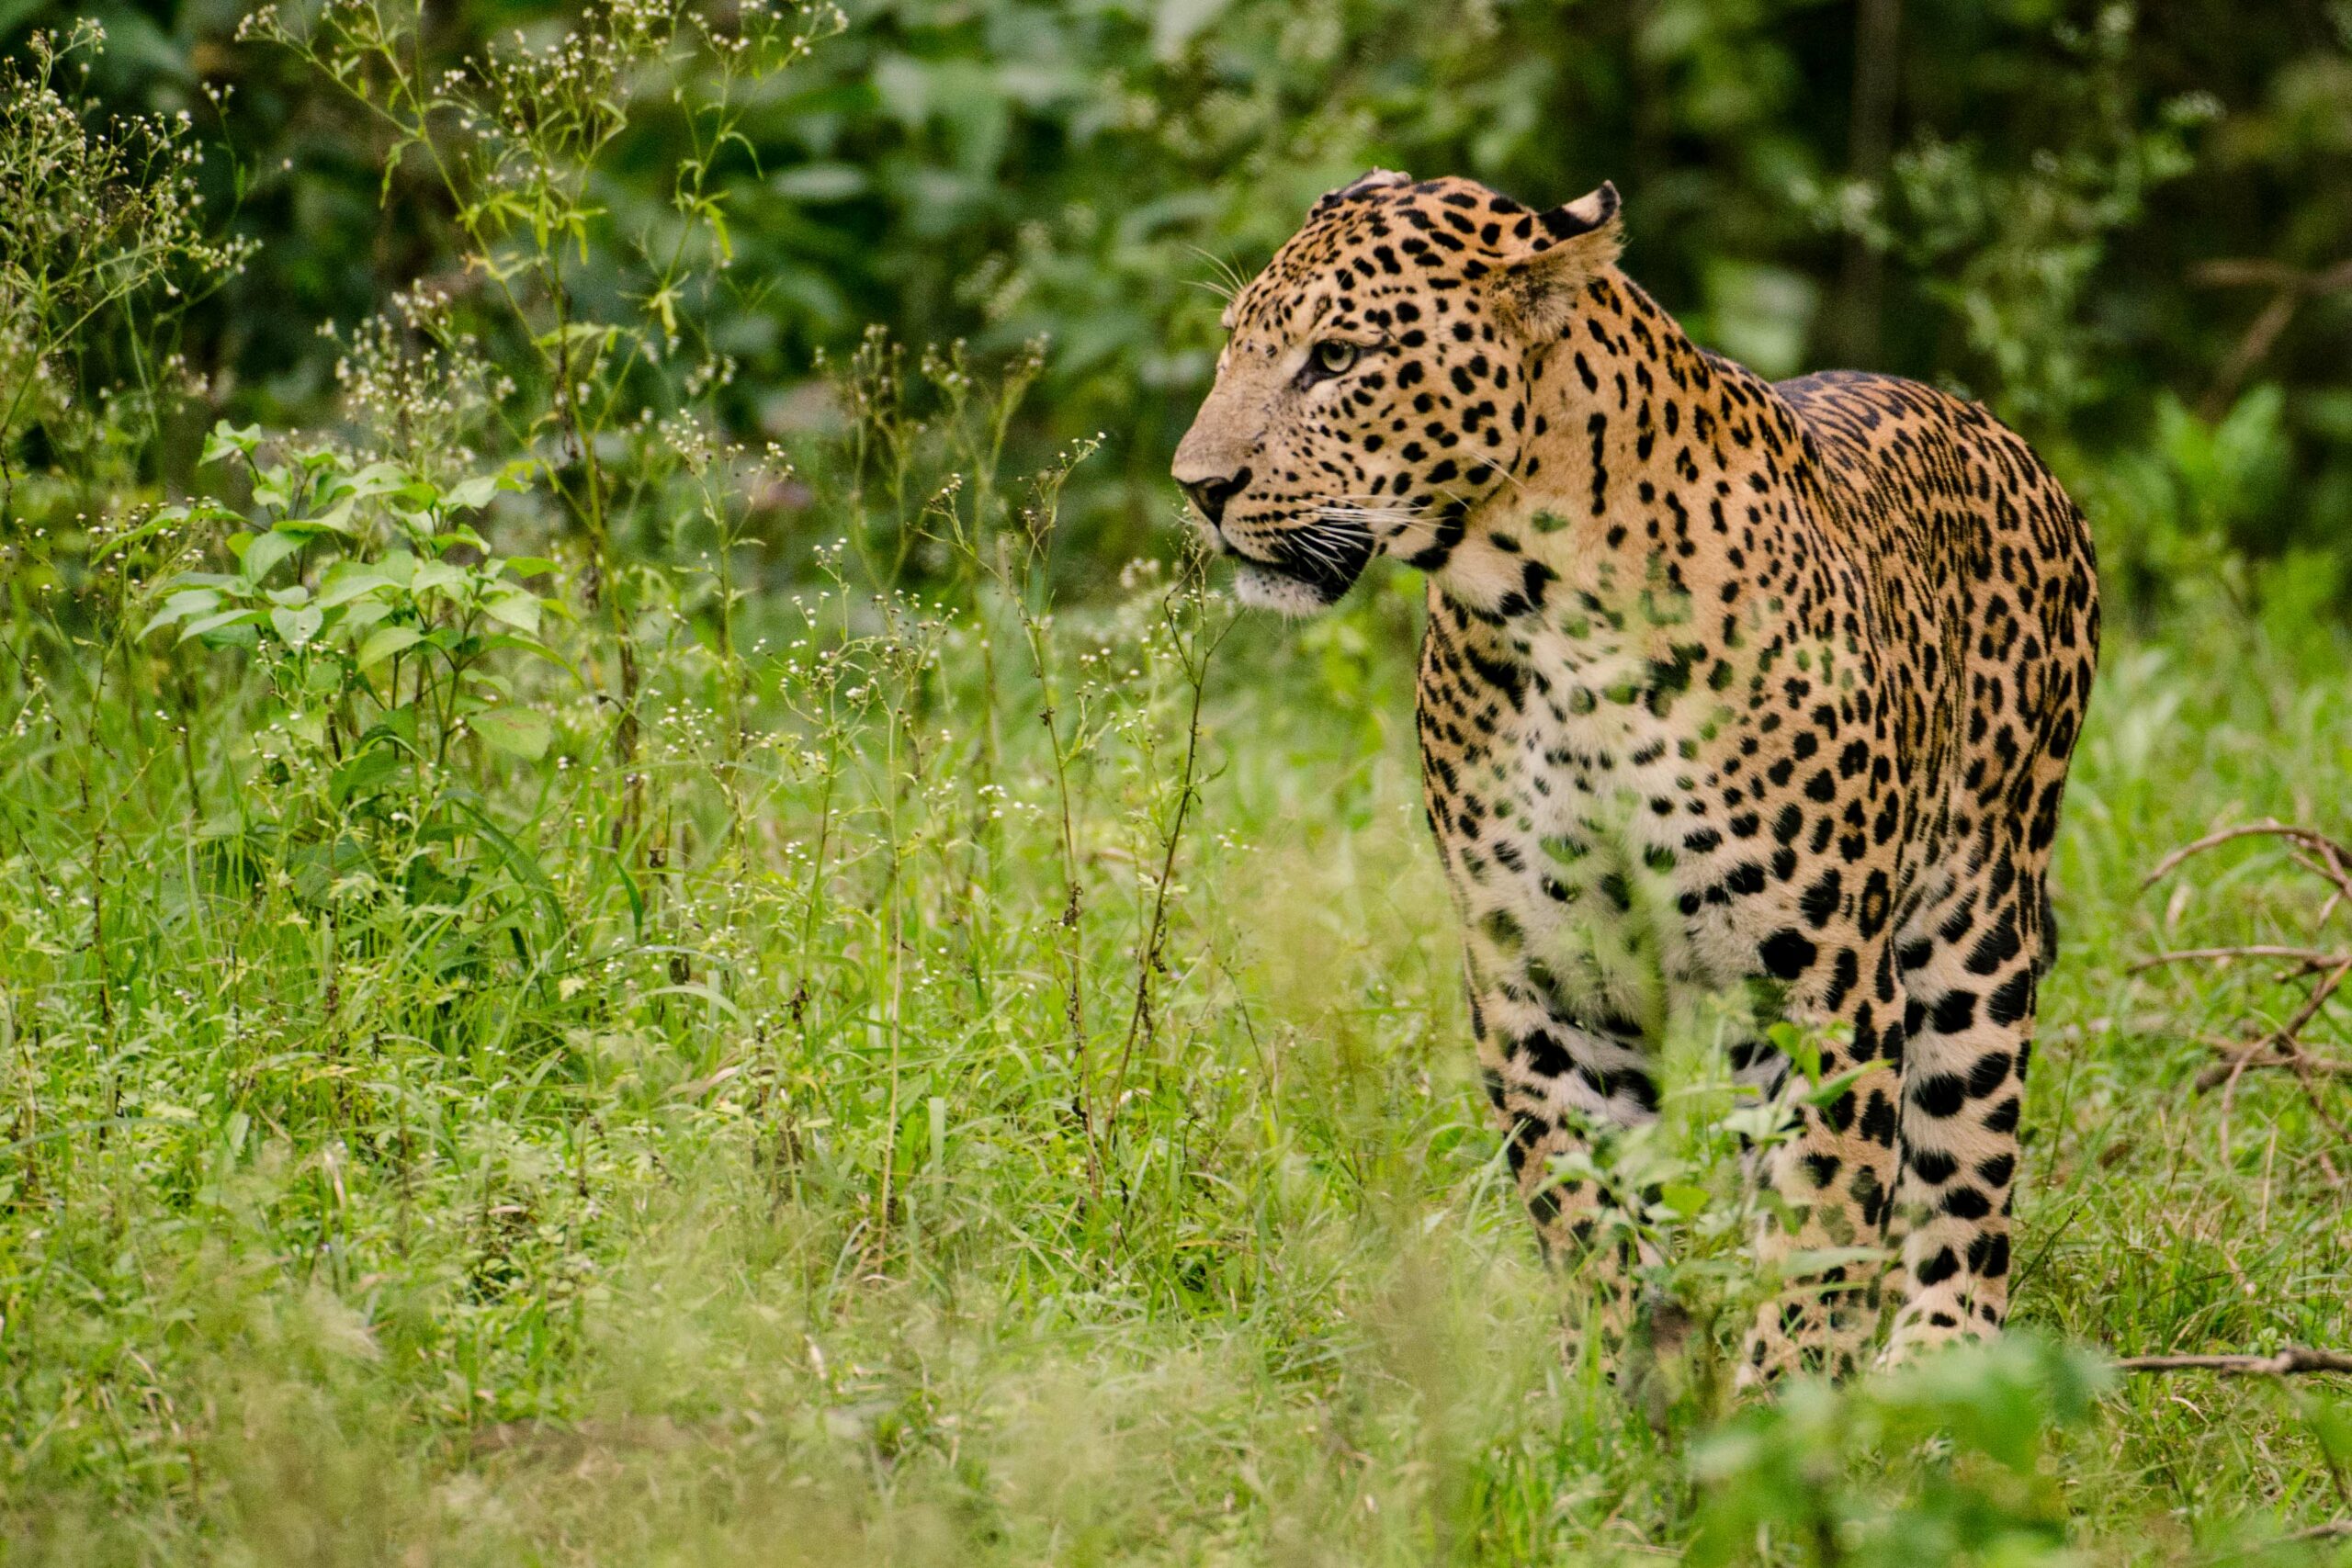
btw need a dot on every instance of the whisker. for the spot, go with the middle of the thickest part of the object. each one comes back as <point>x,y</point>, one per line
<point>1370,516</point>
<point>1314,549</point>
<point>1322,544</point>
<point>1229,279</point>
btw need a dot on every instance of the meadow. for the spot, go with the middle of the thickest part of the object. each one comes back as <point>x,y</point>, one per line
<point>1028,1122</point>
<point>586,978</point>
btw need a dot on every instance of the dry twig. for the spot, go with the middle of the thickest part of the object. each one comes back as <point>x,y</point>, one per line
<point>2284,1046</point>
<point>2290,287</point>
<point>2285,1363</point>
<point>2219,1073</point>
<point>2336,856</point>
<point>2332,1529</point>
<point>2307,958</point>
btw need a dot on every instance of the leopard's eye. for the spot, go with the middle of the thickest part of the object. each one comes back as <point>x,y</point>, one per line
<point>1332,357</point>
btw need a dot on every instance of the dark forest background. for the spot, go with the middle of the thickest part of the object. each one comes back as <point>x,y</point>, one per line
<point>2127,227</point>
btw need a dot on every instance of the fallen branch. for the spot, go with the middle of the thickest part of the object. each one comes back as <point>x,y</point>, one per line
<point>2299,1061</point>
<point>2284,1041</point>
<point>2283,1046</point>
<point>2307,958</point>
<point>2328,1532</point>
<point>2336,855</point>
<point>2333,1529</point>
<point>2285,1363</point>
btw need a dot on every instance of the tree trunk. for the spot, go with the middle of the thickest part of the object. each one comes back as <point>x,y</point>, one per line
<point>1854,328</point>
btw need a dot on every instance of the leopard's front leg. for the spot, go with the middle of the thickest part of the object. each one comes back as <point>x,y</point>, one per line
<point>1835,1176</point>
<point>1551,1083</point>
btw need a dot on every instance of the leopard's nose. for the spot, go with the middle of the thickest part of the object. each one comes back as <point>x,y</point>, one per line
<point>1210,495</point>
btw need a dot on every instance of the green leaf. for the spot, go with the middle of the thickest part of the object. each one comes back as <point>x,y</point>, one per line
<point>377,479</point>
<point>266,552</point>
<point>536,649</point>
<point>1829,1090</point>
<point>335,519</point>
<point>484,680</point>
<point>577,331</point>
<point>362,772</point>
<point>385,641</point>
<point>363,614</point>
<point>179,606</point>
<point>396,729</point>
<point>348,582</point>
<point>215,622</point>
<point>436,577</point>
<point>1684,1199</point>
<point>296,627</point>
<point>471,495</point>
<point>515,608</point>
<point>518,732</point>
<point>1813,1261</point>
<point>1801,1046</point>
<point>226,438</point>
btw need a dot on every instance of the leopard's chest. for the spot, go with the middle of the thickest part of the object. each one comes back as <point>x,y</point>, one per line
<point>1569,789</point>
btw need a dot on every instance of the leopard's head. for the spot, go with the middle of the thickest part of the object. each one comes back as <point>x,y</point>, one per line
<point>1373,391</point>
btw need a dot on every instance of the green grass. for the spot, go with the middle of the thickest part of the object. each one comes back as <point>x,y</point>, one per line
<point>797,1177</point>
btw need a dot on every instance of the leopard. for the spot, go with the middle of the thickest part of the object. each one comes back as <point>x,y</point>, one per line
<point>1728,687</point>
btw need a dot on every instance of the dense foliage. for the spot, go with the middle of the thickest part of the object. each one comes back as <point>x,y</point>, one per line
<point>2091,214</point>
<point>640,923</point>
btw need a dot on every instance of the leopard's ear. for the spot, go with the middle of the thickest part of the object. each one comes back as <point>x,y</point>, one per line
<point>1593,213</point>
<point>1363,185</point>
<point>1552,254</point>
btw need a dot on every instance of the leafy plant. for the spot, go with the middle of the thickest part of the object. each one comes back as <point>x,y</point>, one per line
<point>1944,1461</point>
<point>1678,1196</point>
<point>384,643</point>
<point>2012,253</point>
<point>895,1059</point>
<point>516,139</point>
<point>389,634</point>
<point>99,213</point>
<point>2181,517</point>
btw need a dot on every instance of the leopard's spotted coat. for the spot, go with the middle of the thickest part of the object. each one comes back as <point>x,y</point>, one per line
<point>1728,685</point>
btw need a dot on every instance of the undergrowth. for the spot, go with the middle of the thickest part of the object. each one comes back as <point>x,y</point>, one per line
<point>575,988</point>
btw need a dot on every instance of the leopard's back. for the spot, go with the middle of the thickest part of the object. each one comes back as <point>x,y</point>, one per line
<point>1980,571</point>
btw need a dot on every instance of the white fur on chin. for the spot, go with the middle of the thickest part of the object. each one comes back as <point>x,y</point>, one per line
<point>1262,588</point>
